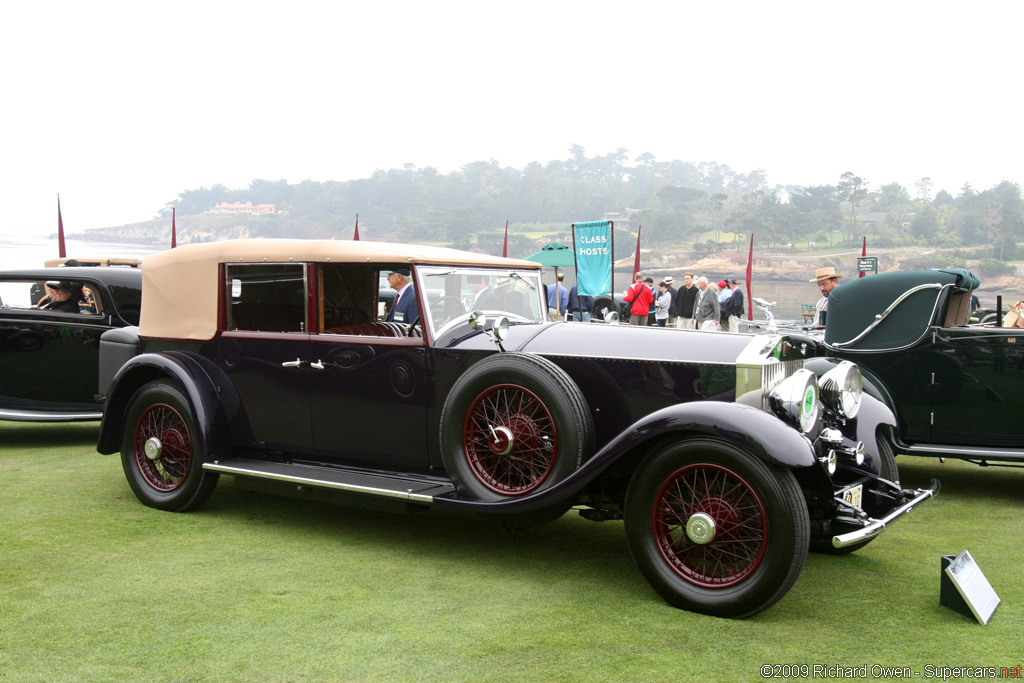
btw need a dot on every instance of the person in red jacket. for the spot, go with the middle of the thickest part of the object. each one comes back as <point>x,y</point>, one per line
<point>639,295</point>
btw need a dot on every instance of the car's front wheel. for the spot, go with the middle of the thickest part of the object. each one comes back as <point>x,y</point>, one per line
<point>160,453</point>
<point>715,530</point>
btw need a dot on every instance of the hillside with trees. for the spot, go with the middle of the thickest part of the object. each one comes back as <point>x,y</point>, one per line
<point>700,207</point>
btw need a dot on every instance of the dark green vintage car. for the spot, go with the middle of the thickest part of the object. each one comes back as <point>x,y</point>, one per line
<point>957,388</point>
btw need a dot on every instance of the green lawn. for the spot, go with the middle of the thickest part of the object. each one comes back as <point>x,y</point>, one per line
<point>96,587</point>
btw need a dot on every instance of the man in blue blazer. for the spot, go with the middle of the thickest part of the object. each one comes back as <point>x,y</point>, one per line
<point>404,309</point>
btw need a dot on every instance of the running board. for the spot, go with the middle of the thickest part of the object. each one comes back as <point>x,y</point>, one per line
<point>411,488</point>
<point>965,452</point>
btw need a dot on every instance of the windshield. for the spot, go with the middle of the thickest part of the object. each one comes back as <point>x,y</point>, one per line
<point>453,292</point>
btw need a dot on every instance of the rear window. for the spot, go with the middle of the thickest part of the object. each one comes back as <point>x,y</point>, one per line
<point>266,297</point>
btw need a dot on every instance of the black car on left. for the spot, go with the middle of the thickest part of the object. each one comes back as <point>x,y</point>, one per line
<point>49,355</point>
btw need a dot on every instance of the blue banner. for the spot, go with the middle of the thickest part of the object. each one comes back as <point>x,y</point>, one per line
<point>592,246</point>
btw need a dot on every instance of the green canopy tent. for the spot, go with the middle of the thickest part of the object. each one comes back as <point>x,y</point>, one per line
<point>554,255</point>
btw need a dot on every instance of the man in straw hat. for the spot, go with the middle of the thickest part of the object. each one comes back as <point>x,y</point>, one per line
<point>827,279</point>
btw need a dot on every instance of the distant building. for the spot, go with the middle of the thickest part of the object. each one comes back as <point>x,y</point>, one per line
<point>875,217</point>
<point>239,207</point>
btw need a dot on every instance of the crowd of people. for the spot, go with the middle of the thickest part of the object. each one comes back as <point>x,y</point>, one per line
<point>697,305</point>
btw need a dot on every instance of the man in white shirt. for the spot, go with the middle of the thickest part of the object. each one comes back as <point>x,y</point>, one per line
<point>827,279</point>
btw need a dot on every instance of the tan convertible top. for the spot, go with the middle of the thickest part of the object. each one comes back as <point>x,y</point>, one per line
<point>179,286</point>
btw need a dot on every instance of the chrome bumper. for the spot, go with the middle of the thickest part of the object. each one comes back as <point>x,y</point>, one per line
<point>877,526</point>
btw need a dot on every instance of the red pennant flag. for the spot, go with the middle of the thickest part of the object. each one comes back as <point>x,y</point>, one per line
<point>863,252</point>
<point>636,261</point>
<point>356,238</point>
<point>504,249</point>
<point>174,229</point>
<point>61,251</point>
<point>750,262</point>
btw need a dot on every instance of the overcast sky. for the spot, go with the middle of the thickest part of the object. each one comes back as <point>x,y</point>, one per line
<point>118,107</point>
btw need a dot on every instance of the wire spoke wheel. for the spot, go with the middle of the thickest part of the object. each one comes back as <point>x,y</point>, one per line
<point>714,529</point>
<point>709,525</point>
<point>162,447</point>
<point>161,450</point>
<point>510,439</point>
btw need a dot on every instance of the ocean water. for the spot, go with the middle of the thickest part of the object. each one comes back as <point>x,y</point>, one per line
<point>20,251</point>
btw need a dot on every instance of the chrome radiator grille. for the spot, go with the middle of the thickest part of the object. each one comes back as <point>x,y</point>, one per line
<point>773,373</point>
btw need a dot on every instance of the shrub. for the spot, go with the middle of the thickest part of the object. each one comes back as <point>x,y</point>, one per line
<point>991,267</point>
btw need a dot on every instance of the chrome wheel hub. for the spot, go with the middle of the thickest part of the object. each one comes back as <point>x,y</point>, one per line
<point>153,448</point>
<point>701,528</point>
<point>501,441</point>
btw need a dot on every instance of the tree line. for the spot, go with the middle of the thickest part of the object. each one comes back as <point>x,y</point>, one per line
<point>695,205</point>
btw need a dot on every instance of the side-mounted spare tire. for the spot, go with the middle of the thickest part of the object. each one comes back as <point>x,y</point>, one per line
<point>512,425</point>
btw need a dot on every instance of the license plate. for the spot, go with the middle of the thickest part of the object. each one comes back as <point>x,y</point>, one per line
<point>853,495</point>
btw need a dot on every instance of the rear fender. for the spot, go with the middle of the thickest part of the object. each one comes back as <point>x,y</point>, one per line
<point>192,374</point>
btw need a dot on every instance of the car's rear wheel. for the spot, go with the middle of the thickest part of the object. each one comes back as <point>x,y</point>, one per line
<point>715,530</point>
<point>160,453</point>
<point>512,425</point>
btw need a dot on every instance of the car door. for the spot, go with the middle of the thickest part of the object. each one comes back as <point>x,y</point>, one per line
<point>49,360</point>
<point>977,386</point>
<point>370,383</point>
<point>264,352</point>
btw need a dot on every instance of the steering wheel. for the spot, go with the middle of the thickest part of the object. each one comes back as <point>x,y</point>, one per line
<point>446,308</point>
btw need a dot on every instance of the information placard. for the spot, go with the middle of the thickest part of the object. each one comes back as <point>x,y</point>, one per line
<point>971,587</point>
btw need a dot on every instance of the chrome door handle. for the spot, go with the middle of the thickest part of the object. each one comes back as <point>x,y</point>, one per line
<point>292,363</point>
<point>316,365</point>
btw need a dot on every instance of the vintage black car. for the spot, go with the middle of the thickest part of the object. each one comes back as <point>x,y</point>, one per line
<point>49,358</point>
<point>268,360</point>
<point>957,389</point>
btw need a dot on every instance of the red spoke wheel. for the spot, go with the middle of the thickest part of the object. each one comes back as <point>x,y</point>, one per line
<point>715,530</point>
<point>514,424</point>
<point>709,525</point>
<point>162,447</point>
<point>510,440</point>
<point>161,451</point>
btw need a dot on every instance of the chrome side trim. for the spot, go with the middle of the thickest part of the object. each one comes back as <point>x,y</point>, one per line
<point>632,359</point>
<point>965,451</point>
<point>100,324</point>
<point>319,483</point>
<point>41,416</point>
<point>877,526</point>
<point>881,316</point>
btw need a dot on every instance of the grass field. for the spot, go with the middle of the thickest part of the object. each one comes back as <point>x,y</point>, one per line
<point>96,587</point>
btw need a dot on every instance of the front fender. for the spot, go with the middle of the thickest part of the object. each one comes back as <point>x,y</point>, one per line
<point>756,432</point>
<point>192,374</point>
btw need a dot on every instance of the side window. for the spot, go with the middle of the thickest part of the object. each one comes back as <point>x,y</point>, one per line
<point>21,294</point>
<point>355,300</point>
<point>348,292</point>
<point>128,302</point>
<point>266,297</point>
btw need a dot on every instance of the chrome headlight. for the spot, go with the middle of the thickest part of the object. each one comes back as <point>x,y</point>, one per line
<point>841,389</point>
<point>795,400</point>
